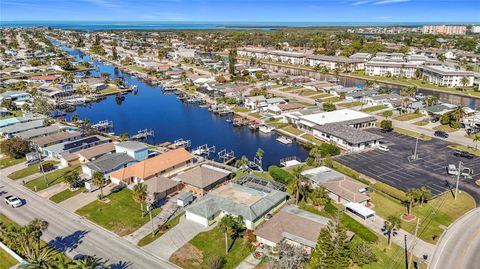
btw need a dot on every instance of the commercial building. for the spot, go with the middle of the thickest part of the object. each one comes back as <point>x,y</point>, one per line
<point>447,76</point>
<point>348,117</point>
<point>445,29</point>
<point>346,137</point>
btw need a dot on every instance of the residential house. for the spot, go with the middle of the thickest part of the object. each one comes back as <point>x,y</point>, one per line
<point>136,150</point>
<point>58,150</point>
<point>86,155</point>
<point>255,102</point>
<point>160,187</point>
<point>10,130</point>
<point>107,163</point>
<point>55,138</point>
<point>43,78</point>
<point>42,131</point>
<point>346,137</point>
<point>201,179</point>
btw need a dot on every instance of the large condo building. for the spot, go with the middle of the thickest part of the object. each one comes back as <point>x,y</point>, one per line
<point>445,29</point>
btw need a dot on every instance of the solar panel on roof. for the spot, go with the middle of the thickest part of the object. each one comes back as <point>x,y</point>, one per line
<point>78,143</point>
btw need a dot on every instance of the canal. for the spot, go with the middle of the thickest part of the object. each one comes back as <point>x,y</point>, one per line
<point>172,119</point>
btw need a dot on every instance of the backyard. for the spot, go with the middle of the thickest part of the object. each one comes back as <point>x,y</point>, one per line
<point>53,178</point>
<point>210,244</point>
<point>121,214</point>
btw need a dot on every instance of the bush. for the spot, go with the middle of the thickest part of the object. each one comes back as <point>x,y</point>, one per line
<point>455,125</point>
<point>279,174</point>
<point>329,107</point>
<point>15,147</point>
<point>328,150</point>
<point>386,124</point>
<point>360,230</point>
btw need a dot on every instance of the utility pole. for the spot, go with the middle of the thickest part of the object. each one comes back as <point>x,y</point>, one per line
<point>45,179</point>
<point>414,242</point>
<point>460,169</point>
<point>151,218</point>
<point>415,151</point>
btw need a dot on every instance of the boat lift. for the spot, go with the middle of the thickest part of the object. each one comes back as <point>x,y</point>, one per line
<point>103,125</point>
<point>182,143</point>
<point>143,135</point>
<point>226,156</point>
<point>204,150</point>
<point>257,162</point>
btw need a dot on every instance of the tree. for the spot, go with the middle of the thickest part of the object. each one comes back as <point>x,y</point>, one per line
<point>41,105</point>
<point>424,194</point>
<point>124,136</point>
<point>242,163</point>
<point>412,196</point>
<point>299,183</point>
<point>215,262</point>
<point>38,226</point>
<point>98,179</point>
<point>390,226</point>
<point>114,53</point>
<point>140,194</point>
<point>232,227</point>
<point>332,250</point>
<point>74,118</point>
<point>386,124</point>
<point>88,262</point>
<point>72,177</point>
<point>290,257</point>
<point>15,147</point>
<point>232,60</point>
<point>259,154</point>
<point>387,114</point>
<point>42,259</point>
<point>319,196</point>
<point>464,81</point>
<point>457,114</point>
<point>362,254</point>
<point>329,107</point>
<point>8,104</point>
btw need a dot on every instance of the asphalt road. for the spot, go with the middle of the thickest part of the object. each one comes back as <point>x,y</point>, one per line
<point>459,246</point>
<point>73,234</point>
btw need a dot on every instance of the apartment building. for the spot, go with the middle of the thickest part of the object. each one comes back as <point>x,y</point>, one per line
<point>446,76</point>
<point>445,29</point>
<point>393,69</point>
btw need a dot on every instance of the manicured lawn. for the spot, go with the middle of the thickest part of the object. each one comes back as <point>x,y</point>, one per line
<point>7,162</point>
<point>351,104</point>
<point>212,243</point>
<point>120,215</point>
<point>7,261</point>
<point>277,123</point>
<point>331,100</point>
<point>322,95</point>
<point>307,92</point>
<point>157,233</point>
<point>110,89</point>
<point>30,170</point>
<point>137,68</point>
<point>408,116</point>
<point>312,139</point>
<point>412,134</point>
<point>445,128</point>
<point>435,215</point>
<point>373,108</point>
<point>256,115</point>
<point>53,178</point>
<point>422,122</point>
<point>65,194</point>
<point>240,109</point>
<point>466,148</point>
<point>292,130</point>
<point>264,175</point>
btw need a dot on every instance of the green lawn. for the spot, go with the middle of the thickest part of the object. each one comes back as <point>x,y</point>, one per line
<point>312,139</point>
<point>351,104</point>
<point>432,224</point>
<point>408,116</point>
<point>264,175</point>
<point>157,233</point>
<point>256,115</point>
<point>7,162</point>
<point>7,261</point>
<point>307,92</point>
<point>111,89</point>
<point>412,134</point>
<point>292,130</point>
<point>331,100</point>
<point>120,215</point>
<point>422,122</point>
<point>466,148</point>
<point>321,95</point>
<point>53,178</point>
<point>30,170</point>
<point>240,109</point>
<point>65,194</point>
<point>212,243</point>
<point>373,108</point>
<point>445,128</point>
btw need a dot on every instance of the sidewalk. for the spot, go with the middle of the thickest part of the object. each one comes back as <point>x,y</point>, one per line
<point>376,224</point>
<point>82,199</point>
<point>249,262</point>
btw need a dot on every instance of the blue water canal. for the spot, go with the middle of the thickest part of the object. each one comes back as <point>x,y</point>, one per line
<point>172,119</point>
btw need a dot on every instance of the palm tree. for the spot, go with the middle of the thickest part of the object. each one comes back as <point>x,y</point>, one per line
<point>140,194</point>
<point>412,196</point>
<point>298,182</point>
<point>424,195</point>
<point>319,196</point>
<point>38,226</point>
<point>259,153</point>
<point>390,225</point>
<point>43,259</point>
<point>464,81</point>
<point>232,227</point>
<point>98,179</point>
<point>458,113</point>
<point>316,153</point>
<point>89,262</point>
<point>242,162</point>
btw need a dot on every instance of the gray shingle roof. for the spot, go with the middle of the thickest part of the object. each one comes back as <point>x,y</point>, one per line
<point>39,132</point>
<point>22,126</point>
<point>347,133</point>
<point>109,162</point>
<point>132,145</point>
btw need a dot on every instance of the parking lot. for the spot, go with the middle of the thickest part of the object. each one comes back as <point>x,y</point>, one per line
<point>396,168</point>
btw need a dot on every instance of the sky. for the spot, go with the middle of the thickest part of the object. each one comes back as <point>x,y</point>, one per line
<point>242,10</point>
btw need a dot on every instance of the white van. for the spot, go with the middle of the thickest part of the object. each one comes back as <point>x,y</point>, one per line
<point>452,169</point>
<point>383,148</point>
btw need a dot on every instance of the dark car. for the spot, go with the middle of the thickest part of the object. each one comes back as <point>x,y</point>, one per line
<point>387,130</point>
<point>464,154</point>
<point>441,134</point>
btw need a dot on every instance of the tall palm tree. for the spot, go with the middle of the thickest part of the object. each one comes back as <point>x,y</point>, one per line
<point>390,225</point>
<point>140,194</point>
<point>298,182</point>
<point>424,195</point>
<point>98,179</point>
<point>89,262</point>
<point>412,196</point>
<point>464,81</point>
<point>38,226</point>
<point>259,153</point>
<point>458,113</point>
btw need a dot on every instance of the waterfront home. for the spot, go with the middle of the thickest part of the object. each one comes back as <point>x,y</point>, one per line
<point>55,138</point>
<point>86,155</point>
<point>136,150</point>
<point>387,100</point>
<point>54,94</point>
<point>341,189</point>
<point>335,62</point>
<point>291,226</point>
<point>42,131</point>
<point>235,200</point>
<point>10,130</point>
<point>346,137</point>
<point>160,187</point>
<point>447,76</point>
<point>348,117</point>
<point>96,84</point>
<point>163,164</point>
<point>390,69</point>
<point>18,97</point>
<point>57,150</point>
<point>107,163</point>
<point>255,102</point>
<point>359,94</point>
<point>317,85</point>
<point>43,78</point>
<point>201,179</point>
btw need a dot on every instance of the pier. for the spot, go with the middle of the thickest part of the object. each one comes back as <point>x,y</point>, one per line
<point>104,125</point>
<point>143,135</point>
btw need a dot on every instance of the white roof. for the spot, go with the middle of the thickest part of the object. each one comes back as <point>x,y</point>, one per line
<point>360,209</point>
<point>334,116</point>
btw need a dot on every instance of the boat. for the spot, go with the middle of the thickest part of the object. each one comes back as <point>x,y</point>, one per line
<point>334,80</point>
<point>284,140</point>
<point>229,120</point>
<point>265,129</point>
<point>120,97</point>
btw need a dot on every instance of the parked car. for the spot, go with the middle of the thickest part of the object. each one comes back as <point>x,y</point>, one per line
<point>13,201</point>
<point>33,161</point>
<point>441,134</point>
<point>464,154</point>
<point>452,169</point>
<point>383,148</point>
<point>387,130</point>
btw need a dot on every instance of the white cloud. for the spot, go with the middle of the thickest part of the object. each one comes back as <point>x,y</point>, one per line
<point>105,3</point>
<point>383,2</point>
<point>361,2</point>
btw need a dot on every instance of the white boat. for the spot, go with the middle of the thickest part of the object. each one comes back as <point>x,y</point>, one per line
<point>265,129</point>
<point>284,140</point>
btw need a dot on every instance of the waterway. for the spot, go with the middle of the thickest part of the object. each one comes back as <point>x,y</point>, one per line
<point>172,119</point>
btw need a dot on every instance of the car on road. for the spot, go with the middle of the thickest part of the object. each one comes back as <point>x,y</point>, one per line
<point>387,130</point>
<point>13,201</point>
<point>463,154</point>
<point>441,134</point>
<point>383,148</point>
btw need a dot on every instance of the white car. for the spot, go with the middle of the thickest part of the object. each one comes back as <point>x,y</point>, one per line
<point>13,201</point>
<point>383,148</point>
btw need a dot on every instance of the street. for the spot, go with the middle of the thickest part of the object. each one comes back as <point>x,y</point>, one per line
<point>460,244</point>
<point>73,234</point>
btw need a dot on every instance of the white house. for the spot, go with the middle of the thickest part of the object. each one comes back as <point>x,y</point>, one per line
<point>447,76</point>
<point>394,69</point>
<point>136,150</point>
<point>254,102</point>
<point>346,137</point>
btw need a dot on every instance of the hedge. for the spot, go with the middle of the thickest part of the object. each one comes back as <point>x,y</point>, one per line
<point>279,174</point>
